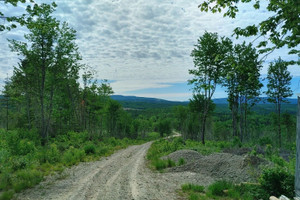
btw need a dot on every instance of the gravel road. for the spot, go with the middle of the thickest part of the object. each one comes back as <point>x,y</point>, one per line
<point>123,175</point>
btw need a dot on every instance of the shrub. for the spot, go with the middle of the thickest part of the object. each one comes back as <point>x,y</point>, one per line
<point>18,163</point>
<point>265,141</point>
<point>72,156</point>
<point>26,179</point>
<point>6,195</point>
<point>50,154</point>
<point>25,146</point>
<point>277,181</point>
<point>5,180</point>
<point>90,149</point>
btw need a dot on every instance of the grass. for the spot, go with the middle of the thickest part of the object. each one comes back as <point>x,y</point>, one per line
<point>221,190</point>
<point>194,192</point>
<point>25,162</point>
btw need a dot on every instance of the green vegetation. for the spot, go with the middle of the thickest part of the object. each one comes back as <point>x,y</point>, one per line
<point>49,121</point>
<point>24,161</point>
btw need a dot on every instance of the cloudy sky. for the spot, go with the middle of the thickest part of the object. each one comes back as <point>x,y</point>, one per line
<point>141,46</point>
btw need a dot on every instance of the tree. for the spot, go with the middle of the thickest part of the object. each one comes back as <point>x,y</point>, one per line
<point>12,18</point>
<point>50,64</point>
<point>279,30</point>
<point>279,81</point>
<point>243,84</point>
<point>208,56</point>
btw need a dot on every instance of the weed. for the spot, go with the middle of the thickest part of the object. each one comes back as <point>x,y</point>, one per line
<point>192,187</point>
<point>181,162</point>
<point>218,188</point>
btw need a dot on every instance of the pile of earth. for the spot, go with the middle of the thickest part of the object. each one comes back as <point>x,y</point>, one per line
<point>226,166</point>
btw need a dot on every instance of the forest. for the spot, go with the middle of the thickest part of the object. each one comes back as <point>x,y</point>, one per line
<point>54,113</point>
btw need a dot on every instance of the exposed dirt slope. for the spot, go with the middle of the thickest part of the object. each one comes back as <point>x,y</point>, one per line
<point>123,175</point>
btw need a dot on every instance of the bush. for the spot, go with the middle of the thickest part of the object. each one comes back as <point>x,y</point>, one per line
<point>25,147</point>
<point>73,156</point>
<point>50,154</point>
<point>26,179</point>
<point>90,149</point>
<point>5,180</point>
<point>277,181</point>
<point>18,163</point>
<point>7,195</point>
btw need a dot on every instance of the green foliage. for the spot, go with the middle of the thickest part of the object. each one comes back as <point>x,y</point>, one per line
<point>7,195</point>
<point>277,181</point>
<point>192,187</point>
<point>218,188</point>
<point>193,190</point>
<point>73,156</point>
<point>26,179</point>
<point>181,162</point>
<point>164,127</point>
<point>89,149</point>
<point>284,20</point>
<point>263,141</point>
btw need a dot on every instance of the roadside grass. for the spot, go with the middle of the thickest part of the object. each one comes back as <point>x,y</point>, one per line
<point>25,162</point>
<point>221,190</point>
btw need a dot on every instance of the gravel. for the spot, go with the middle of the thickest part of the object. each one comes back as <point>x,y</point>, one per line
<point>226,166</point>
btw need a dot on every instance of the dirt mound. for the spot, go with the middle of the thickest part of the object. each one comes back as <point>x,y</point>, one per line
<point>224,166</point>
<point>189,156</point>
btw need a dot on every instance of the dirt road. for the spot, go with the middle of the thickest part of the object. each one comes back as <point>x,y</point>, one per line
<point>123,175</point>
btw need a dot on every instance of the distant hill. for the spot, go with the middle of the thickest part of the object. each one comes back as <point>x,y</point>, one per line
<point>144,102</point>
<point>263,100</point>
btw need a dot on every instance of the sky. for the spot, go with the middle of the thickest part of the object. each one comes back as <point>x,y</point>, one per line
<point>142,47</point>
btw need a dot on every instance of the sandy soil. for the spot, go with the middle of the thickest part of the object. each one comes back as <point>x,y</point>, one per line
<point>123,175</point>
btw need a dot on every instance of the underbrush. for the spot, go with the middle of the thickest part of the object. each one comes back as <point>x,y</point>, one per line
<point>24,161</point>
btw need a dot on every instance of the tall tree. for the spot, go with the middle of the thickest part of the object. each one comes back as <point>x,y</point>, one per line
<point>277,31</point>
<point>208,56</point>
<point>50,61</point>
<point>243,84</point>
<point>279,81</point>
